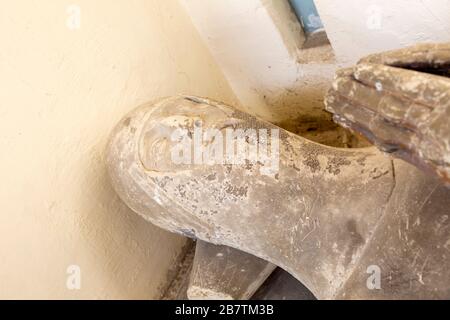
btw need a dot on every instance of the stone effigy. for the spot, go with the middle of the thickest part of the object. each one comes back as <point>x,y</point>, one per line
<point>326,215</point>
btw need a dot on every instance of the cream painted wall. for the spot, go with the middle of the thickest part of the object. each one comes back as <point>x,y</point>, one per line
<point>62,90</point>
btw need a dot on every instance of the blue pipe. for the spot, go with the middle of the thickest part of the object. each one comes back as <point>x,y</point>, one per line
<point>307,15</point>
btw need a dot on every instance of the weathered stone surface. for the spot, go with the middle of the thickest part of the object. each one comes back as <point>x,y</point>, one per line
<point>221,272</point>
<point>411,244</point>
<point>400,101</point>
<point>282,286</point>
<point>318,217</point>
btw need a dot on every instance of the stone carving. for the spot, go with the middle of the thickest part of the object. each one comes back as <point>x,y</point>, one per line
<point>326,215</point>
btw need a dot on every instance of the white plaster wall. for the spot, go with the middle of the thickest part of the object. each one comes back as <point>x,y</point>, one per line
<point>360,27</point>
<point>61,92</point>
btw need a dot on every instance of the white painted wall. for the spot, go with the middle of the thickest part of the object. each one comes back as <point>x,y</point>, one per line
<point>62,90</point>
<point>242,38</point>
<point>360,27</point>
